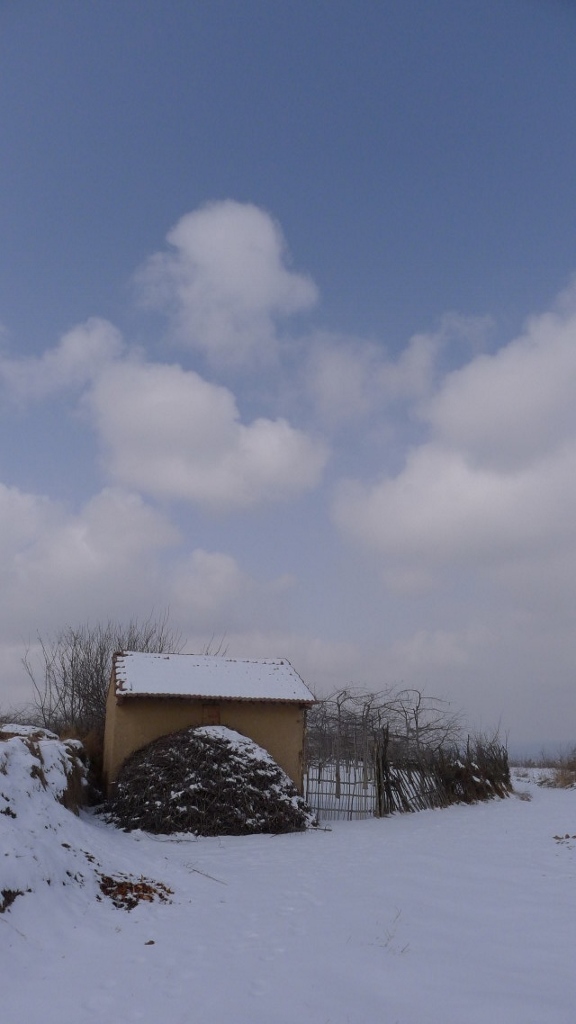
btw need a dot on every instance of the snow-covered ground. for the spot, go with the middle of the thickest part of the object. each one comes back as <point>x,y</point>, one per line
<point>457,916</point>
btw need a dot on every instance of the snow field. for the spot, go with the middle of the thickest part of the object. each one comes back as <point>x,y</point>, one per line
<point>458,916</point>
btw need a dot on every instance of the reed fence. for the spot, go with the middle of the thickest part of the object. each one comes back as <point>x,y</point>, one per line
<point>358,768</point>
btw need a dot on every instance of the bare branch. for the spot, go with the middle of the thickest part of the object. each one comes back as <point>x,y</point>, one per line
<point>71,671</point>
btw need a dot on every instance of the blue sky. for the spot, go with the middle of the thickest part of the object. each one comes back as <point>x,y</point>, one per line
<point>289,337</point>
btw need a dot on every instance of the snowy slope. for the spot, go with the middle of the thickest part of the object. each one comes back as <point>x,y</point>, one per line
<point>460,916</point>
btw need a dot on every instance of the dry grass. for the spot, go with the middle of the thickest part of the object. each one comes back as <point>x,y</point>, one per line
<point>563,773</point>
<point>564,777</point>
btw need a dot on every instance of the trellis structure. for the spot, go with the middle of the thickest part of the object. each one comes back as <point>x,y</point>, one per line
<point>377,754</point>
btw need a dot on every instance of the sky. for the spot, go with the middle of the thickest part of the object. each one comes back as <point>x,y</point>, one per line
<point>288,339</point>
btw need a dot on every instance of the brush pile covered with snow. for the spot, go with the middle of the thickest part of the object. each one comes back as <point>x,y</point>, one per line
<point>211,781</point>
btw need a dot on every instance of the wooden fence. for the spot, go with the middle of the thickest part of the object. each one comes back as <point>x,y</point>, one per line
<point>373,754</point>
<point>345,791</point>
<point>378,786</point>
<point>354,792</point>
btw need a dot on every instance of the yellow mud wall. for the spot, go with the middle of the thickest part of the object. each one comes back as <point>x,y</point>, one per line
<point>136,721</point>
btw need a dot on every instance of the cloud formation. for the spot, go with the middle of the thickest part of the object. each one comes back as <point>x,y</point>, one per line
<point>165,431</point>
<point>77,359</point>
<point>351,378</point>
<point>509,410</point>
<point>172,434</point>
<point>496,477</point>
<point>114,557</point>
<point>54,562</point>
<point>211,590</point>
<point>225,281</point>
<point>463,496</point>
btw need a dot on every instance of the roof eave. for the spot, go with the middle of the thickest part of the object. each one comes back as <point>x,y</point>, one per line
<point>122,695</point>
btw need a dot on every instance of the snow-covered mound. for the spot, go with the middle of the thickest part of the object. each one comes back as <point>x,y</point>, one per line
<point>44,844</point>
<point>41,781</point>
<point>37,766</point>
<point>211,781</point>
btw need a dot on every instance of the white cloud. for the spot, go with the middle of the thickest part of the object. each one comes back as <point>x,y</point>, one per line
<point>427,653</point>
<point>172,434</point>
<point>509,409</point>
<point>79,356</point>
<point>349,378</point>
<point>211,591</point>
<point>58,566</point>
<point>209,581</point>
<point>166,431</point>
<point>496,480</point>
<point>21,517</point>
<point>441,508</point>
<point>115,558</point>
<point>340,376</point>
<point>412,375</point>
<point>225,281</point>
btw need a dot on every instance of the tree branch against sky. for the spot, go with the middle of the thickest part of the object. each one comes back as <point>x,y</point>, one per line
<point>289,337</point>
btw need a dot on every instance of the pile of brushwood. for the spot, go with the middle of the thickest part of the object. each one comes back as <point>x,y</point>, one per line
<point>210,781</point>
<point>479,771</point>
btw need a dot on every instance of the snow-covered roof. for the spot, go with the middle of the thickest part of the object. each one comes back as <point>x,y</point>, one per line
<point>208,676</point>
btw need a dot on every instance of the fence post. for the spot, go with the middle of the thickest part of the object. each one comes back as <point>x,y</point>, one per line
<point>384,802</point>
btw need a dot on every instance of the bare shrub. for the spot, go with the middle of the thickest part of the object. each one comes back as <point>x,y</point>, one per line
<point>346,726</point>
<point>71,675</point>
<point>403,745</point>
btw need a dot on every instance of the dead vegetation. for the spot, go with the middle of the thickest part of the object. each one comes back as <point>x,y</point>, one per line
<point>7,897</point>
<point>562,774</point>
<point>70,670</point>
<point>209,781</point>
<point>126,893</point>
<point>396,751</point>
<point>346,726</point>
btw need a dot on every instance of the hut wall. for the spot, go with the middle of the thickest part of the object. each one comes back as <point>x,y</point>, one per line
<point>132,722</point>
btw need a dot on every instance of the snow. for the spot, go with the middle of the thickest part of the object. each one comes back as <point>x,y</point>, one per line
<point>458,916</point>
<point>209,676</point>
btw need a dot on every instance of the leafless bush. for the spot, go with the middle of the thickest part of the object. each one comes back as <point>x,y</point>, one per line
<point>16,716</point>
<point>346,726</point>
<point>407,746</point>
<point>71,675</point>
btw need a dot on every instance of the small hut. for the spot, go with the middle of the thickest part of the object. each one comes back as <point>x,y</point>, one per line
<point>152,695</point>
